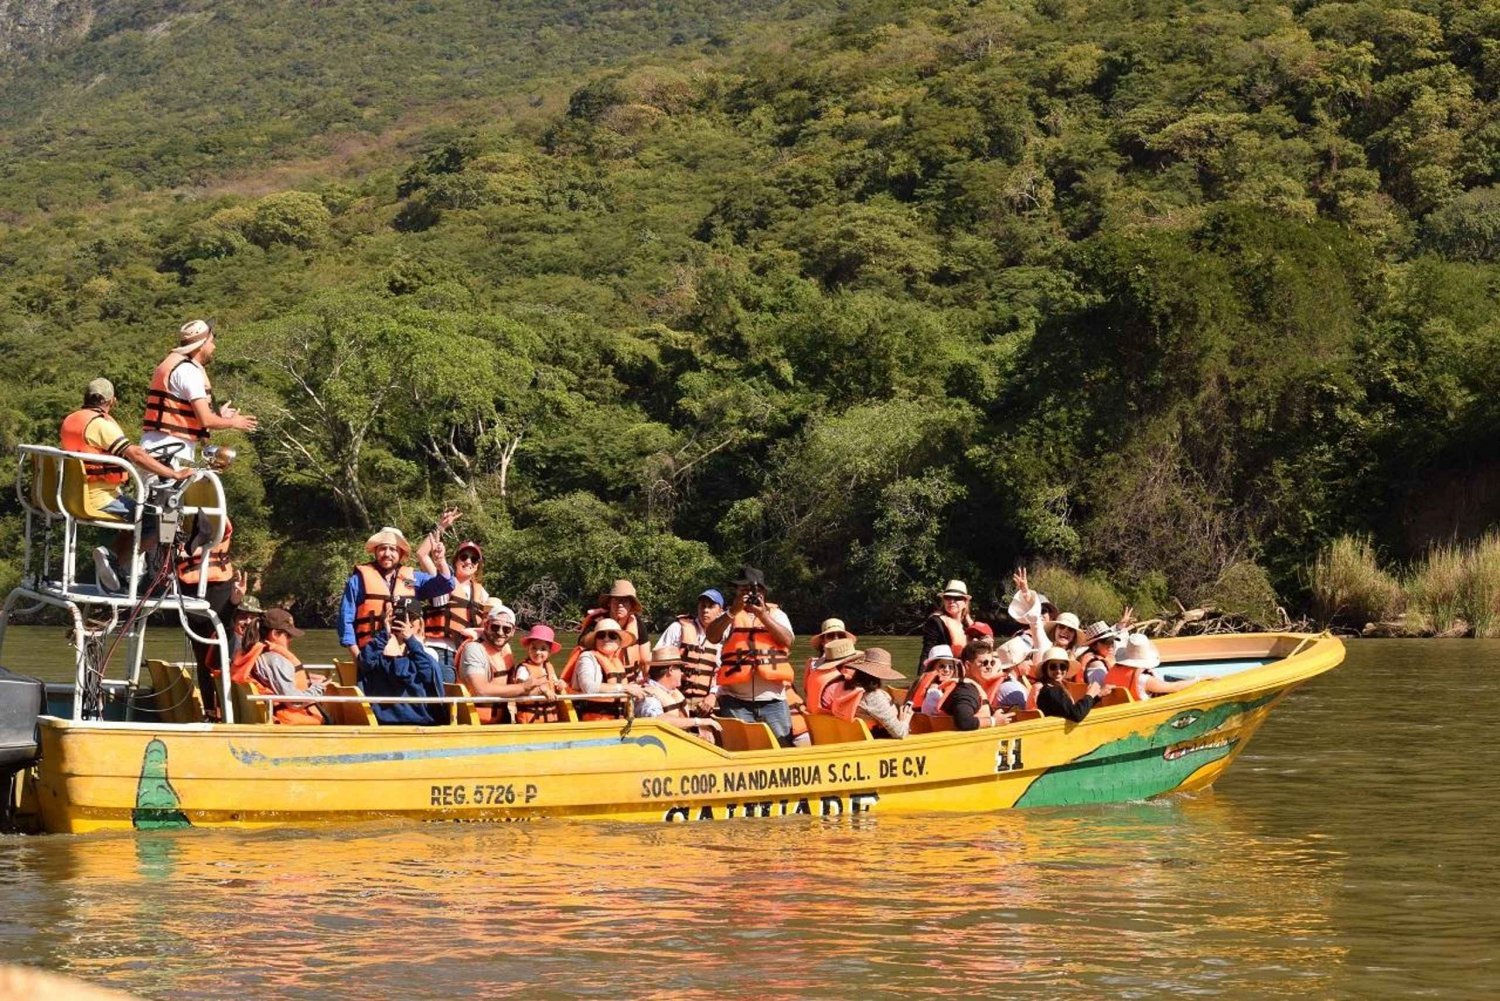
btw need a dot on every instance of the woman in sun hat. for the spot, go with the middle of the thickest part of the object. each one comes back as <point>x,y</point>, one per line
<point>1098,656</point>
<point>1053,698</point>
<point>602,669</point>
<point>1135,669</point>
<point>620,605</point>
<point>947,624</point>
<point>943,669</point>
<point>864,696</point>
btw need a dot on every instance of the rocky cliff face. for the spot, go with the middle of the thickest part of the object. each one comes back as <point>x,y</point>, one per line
<point>31,26</point>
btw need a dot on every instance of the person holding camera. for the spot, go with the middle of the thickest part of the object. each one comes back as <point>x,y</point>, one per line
<point>374,586</point>
<point>755,664</point>
<point>395,662</point>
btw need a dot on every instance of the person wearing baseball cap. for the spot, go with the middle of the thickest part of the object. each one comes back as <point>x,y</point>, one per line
<point>448,620</point>
<point>179,404</point>
<point>92,430</point>
<point>273,669</point>
<point>688,634</point>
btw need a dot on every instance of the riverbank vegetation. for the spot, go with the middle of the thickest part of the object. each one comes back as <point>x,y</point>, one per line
<point>1452,590</point>
<point>873,295</point>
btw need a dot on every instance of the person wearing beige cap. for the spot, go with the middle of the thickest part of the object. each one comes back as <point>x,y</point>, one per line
<point>179,404</point>
<point>375,586</point>
<point>92,430</point>
<point>948,624</point>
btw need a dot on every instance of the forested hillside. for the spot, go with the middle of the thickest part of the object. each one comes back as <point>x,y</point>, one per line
<point>871,294</point>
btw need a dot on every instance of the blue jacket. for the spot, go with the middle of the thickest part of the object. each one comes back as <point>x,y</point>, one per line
<point>428,585</point>
<point>415,673</point>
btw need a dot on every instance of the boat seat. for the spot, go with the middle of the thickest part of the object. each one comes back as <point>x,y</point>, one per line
<point>1115,697</point>
<point>177,699</point>
<point>347,713</point>
<point>464,713</point>
<point>924,723</point>
<point>247,710</point>
<point>1022,715</point>
<point>1076,689</point>
<point>75,498</point>
<point>44,483</point>
<point>345,672</point>
<point>738,735</point>
<point>827,729</point>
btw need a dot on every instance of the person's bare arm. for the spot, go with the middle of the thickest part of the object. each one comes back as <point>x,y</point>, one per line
<point>227,417</point>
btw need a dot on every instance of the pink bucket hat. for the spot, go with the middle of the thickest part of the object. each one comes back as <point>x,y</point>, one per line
<point>543,634</point>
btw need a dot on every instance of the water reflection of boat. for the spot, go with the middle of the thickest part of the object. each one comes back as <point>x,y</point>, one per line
<point>98,773</point>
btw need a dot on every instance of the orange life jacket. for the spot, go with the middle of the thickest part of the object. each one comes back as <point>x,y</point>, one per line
<point>1032,691</point>
<point>750,651</point>
<point>500,663</point>
<point>615,672</point>
<point>1079,670</point>
<point>671,699</point>
<point>957,638</point>
<point>369,614</point>
<point>699,660</point>
<point>220,568</point>
<point>846,703</point>
<point>283,712</point>
<point>446,622</point>
<point>72,435</point>
<point>535,712</point>
<point>1128,678</point>
<point>817,680</point>
<point>165,412</point>
<point>633,653</point>
<point>991,688</point>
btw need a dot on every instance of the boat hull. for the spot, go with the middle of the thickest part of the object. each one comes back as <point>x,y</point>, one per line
<point>110,776</point>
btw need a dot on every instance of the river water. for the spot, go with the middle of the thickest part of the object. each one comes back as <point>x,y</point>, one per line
<point>1348,853</point>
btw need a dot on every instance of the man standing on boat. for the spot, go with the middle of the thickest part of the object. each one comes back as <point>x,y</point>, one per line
<point>700,658</point>
<point>755,665</point>
<point>179,404</point>
<point>374,587</point>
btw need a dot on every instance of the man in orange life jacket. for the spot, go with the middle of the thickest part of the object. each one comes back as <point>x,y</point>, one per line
<point>91,429</point>
<point>375,586</point>
<point>179,404</point>
<point>755,667</point>
<point>700,658</point>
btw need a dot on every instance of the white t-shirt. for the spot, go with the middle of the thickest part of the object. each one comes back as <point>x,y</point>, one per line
<point>187,382</point>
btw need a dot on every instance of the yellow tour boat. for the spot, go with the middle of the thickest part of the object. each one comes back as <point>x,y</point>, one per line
<point>157,770</point>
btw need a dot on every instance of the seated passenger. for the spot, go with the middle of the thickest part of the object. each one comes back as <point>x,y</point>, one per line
<point>540,643</point>
<point>271,668</point>
<point>979,631</point>
<point>1136,670</point>
<point>940,675</point>
<point>969,703</point>
<point>1063,631</point>
<point>1053,698</point>
<point>1017,690</point>
<point>831,674</point>
<point>601,668</point>
<point>395,662</point>
<point>867,699</point>
<point>92,430</point>
<point>1098,654</point>
<point>663,698</point>
<point>621,606</point>
<point>486,666</point>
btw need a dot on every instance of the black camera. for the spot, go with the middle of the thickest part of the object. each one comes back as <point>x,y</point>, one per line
<point>754,599</point>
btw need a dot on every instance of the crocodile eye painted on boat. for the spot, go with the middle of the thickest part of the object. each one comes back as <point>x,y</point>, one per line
<point>1185,720</point>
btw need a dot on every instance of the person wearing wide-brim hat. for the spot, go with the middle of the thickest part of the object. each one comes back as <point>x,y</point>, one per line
<point>949,623</point>
<point>621,605</point>
<point>602,670</point>
<point>663,699</point>
<point>755,665</point>
<point>869,672</point>
<point>374,587</point>
<point>1054,699</point>
<point>1136,667</point>
<point>1063,630</point>
<point>940,672</point>
<point>824,673</point>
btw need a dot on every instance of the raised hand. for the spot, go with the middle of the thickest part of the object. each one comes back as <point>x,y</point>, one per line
<point>447,519</point>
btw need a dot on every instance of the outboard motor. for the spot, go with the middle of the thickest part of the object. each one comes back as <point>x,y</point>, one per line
<point>22,700</point>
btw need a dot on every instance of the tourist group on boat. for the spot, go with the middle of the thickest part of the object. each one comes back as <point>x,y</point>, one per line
<point>415,626</point>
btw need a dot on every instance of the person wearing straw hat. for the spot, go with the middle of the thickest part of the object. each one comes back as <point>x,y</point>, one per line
<point>826,673</point>
<point>864,695</point>
<point>663,698</point>
<point>948,625</point>
<point>620,605</point>
<point>602,669</point>
<point>1135,669</point>
<point>1098,654</point>
<point>374,587</point>
<point>943,668</point>
<point>1053,698</point>
<point>700,658</point>
<point>179,404</point>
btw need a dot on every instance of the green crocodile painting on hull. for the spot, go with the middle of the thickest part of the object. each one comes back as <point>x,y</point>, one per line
<point>1141,765</point>
<point>156,802</point>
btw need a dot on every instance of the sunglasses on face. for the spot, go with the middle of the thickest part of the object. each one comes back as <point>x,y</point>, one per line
<point>607,636</point>
<point>467,558</point>
<point>507,630</point>
<point>1054,667</point>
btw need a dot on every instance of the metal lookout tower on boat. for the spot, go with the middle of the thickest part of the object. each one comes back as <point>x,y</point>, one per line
<point>51,486</point>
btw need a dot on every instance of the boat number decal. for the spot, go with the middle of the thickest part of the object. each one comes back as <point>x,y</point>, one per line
<point>483,794</point>
<point>1008,755</point>
<point>785,777</point>
<point>807,806</point>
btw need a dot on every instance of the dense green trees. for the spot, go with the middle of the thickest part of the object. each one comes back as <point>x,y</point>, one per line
<point>1170,294</point>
